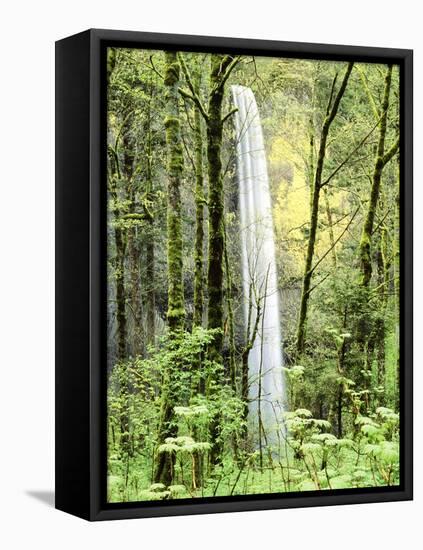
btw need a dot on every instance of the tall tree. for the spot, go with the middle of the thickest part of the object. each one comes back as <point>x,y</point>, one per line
<point>199,204</point>
<point>175,160</point>
<point>176,308</point>
<point>221,68</point>
<point>150,248</point>
<point>331,111</point>
<point>382,158</point>
<point>371,333</point>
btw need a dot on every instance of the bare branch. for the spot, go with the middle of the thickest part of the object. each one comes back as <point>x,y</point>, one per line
<point>331,94</point>
<point>227,66</point>
<point>319,261</point>
<point>368,92</point>
<point>344,162</point>
<point>228,115</point>
<point>193,96</point>
<point>195,100</point>
<point>154,68</point>
<point>387,157</point>
<point>322,280</point>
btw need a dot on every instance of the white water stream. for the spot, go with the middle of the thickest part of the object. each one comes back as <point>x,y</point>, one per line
<point>259,273</point>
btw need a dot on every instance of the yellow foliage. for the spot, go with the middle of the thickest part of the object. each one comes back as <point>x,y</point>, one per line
<point>291,210</point>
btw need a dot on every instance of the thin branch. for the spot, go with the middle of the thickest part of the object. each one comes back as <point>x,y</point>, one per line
<point>340,93</point>
<point>319,261</point>
<point>381,221</point>
<point>387,157</point>
<point>228,68</point>
<point>187,115</point>
<point>331,94</point>
<point>193,96</point>
<point>368,92</point>
<point>195,100</point>
<point>187,151</point>
<point>322,280</point>
<point>228,115</point>
<point>154,68</point>
<point>353,152</point>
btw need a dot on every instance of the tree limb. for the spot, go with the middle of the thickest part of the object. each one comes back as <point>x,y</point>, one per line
<point>340,93</point>
<point>389,154</point>
<point>227,66</point>
<point>193,96</point>
<point>228,115</point>
<point>195,100</point>
<point>154,68</point>
<point>344,162</point>
<point>319,261</point>
<point>368,92</point>
<point>331,94</point>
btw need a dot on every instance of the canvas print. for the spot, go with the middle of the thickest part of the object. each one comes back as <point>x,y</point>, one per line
<point>252,275</point>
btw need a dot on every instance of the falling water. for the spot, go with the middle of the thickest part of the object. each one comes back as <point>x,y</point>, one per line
<point>259,274</point>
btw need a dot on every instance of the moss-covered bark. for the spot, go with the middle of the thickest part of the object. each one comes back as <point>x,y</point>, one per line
<point>151,292</point>
<point>371,332</point>
<point>216,231</point>
<point>230,322</point>
<point>135,337</point>
<point>119,235</point>
<point>330,226</point>
<point>366,235</point>
<point>176,309</point>
<point>221,66</point>
<point>380,328</point>
<point>215,203</point>
<point>150,248</point>
<point>120,294</point>
<point>199,208</point>
<point>308,273</point>
<point>397,273</point>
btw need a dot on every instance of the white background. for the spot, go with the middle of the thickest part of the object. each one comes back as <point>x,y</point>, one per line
<point>29,29</point>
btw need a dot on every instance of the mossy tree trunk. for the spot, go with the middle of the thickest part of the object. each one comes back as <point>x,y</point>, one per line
<point>251,331</point>
<point>365,248</point>
<point>119,235</point>
<point>199,208</point>
<point>221,68</point>
<point>120,243</point>
<point>330,226</point>
<point>230,318</point>
<point>397,272</point>
<point>120,170</point>
<point>198,251</point>
<point>135,344</point>
<point>331,112</point>
<point>150,249</point>
<point>176,309</point>
<point>216,208</point>
<point>383,268</point>
<point>381,160</point>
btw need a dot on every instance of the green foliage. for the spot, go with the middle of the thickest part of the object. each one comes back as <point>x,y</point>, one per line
<point>175,394</point>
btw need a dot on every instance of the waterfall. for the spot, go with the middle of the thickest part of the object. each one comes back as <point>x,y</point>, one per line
<point>259,273</point>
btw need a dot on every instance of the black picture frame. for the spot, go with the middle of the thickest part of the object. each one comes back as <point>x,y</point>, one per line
<point>80,273</point>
